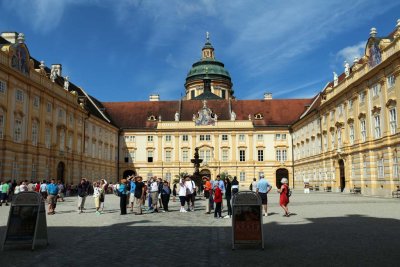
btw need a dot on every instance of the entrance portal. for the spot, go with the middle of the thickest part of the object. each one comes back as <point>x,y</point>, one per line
<point>60,171</point>
<point>128,173</point>
<point>342,176</point>
<point>205,172</point>
<point>281,173</point>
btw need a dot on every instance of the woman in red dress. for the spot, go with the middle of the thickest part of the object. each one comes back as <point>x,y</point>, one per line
<point>284,198</point>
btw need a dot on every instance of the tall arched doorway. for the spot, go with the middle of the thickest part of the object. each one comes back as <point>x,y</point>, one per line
<point>342,175</point>
<point>128,173</point>
<point>60,171</point>
<point>205,172</point>
<point>281,173</point>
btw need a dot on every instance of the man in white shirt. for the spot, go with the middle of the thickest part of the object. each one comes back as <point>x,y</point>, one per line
<point>43,189</point>
<point>191,197</point>
<point>154,194</point>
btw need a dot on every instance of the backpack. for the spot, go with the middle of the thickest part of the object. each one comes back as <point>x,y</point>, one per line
<point>251,187</point>
<point>288,192</point>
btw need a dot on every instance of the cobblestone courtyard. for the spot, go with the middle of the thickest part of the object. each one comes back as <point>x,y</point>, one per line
<point>327,229</point>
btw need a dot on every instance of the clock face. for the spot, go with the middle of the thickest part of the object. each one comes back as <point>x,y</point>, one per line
<point>374,55</point>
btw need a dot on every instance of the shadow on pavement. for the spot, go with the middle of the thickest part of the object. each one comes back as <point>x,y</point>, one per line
<point>335,241</point>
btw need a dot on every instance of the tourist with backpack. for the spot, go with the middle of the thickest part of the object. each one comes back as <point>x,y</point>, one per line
<point>285,193</point>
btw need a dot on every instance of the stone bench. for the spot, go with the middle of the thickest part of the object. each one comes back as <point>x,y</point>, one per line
<point>328,189</point>
<point>356,190</point>
<point>396,193</point>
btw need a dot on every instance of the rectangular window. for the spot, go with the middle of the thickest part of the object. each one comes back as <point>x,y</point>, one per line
<point>332,140</point>
<point>339,137</point>
<point>277,137</point>
<point>206,137</point>
<point>130,138</point>
<point>150,156</point>
<point>126,158</point>
<point>362,97</point>
<point>48,107</point>
<point>70,139</point>
<point>61,114</point>
<point>260,155</point>
<point>61,141</point>
<point>168,155</point>
<point>242,176</point>
<point>19,95</point>
<point>35,129</point>
<point>132,156</point>
<point>167,138</point>
<point>241,138</point>
<point>149,138</point>
<point>17,131</point>
<point>363,130</point>
<point>393,120</point>
<point>391,81</point>
<point>225,154</point>
<point>224,137</point>
<point>350,104</point>
<point>223,94</point>
<point>2,120</point>
<point>260,137</point>
<point>351,133</point>
<point>3,87</point>
<point>283,136</point>
<point>395,167</point>
<point>185,138</point>
<point>47,137</point>
<point>185,155</point>
<point>242,155</point>
<point>278,155</point>
<point>381,169</point>
<point>377,121</point>
<point>168,176</point>
<point>284,155</point>
<point>375,90</point>
<point>36,101</point>
<point>192,94</point>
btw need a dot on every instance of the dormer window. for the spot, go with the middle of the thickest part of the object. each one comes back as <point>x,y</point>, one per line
<point>258,116</point>
<point>151,118</point>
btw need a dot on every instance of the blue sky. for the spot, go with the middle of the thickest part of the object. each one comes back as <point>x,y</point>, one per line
<point>125,50</point>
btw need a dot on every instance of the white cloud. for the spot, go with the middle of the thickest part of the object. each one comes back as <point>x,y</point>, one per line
<point>350,52</point>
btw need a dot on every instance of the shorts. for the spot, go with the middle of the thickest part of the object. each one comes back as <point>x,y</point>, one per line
<point>154,197</point>
<point>52,200</point>
<point>132,198</point>
<point>4,196</point>
<point>264,198</point>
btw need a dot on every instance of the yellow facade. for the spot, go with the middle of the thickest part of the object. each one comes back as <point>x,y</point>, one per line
<point>43,128</point>
<point>351,139</point>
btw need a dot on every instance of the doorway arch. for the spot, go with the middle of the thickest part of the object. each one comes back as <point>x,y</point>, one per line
<point>342,175</point>
<point>60,171</point>
<point>205,172</point>
<point>128,173</point>
<point>281,173</point>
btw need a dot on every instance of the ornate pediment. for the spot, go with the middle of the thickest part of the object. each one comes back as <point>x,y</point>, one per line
<point>204,116</point>
<point>361,116</point>
<point>391,103</point>
<point>376,110</point>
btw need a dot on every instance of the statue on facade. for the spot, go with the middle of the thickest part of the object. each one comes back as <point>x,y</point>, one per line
<point>215,117</point>
<point>177,116</point>
<point>66,83</point>
<point>233,115</point>
<point>53,73</point>
<point>335,79</point>
<point>346,68</point>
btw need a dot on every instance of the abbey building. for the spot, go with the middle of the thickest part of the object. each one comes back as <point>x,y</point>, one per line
<point>344,137</point>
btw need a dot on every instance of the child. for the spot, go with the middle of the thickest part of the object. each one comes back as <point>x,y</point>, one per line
<point>218,201</point>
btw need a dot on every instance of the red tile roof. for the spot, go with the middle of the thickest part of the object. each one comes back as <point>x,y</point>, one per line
<point>275,112</point>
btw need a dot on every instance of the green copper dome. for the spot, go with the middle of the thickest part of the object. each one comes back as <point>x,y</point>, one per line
<point>211,68</point>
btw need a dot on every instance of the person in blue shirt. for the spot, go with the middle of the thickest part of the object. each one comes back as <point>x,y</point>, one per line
<point>122,190</point>
<point>263,187</point>
<point>52,192</point>
<point>132,183</point>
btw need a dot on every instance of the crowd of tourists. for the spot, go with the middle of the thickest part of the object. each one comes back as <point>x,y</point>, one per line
<point>150,196</point>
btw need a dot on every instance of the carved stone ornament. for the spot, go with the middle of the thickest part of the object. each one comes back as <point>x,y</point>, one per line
<point>204,116</point>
